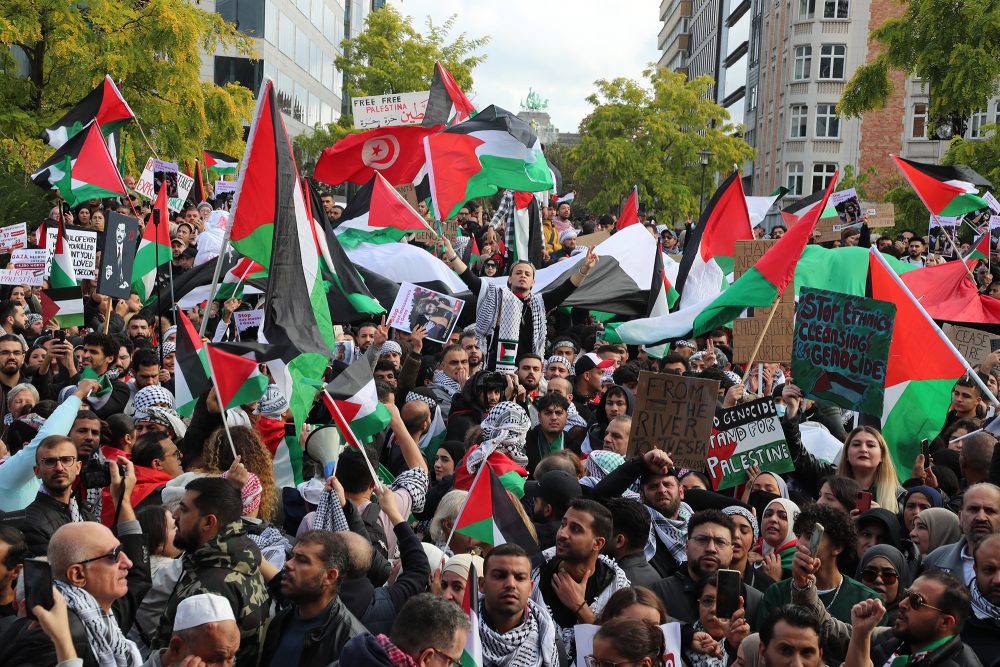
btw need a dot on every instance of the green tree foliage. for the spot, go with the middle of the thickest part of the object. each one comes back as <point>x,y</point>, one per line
<point>151,48</point>
<point>392,56</point>
<point>648,134</point>
<point>950,45</point>
<point>983,155</point>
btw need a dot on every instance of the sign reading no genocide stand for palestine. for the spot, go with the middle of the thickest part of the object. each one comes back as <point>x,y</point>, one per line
<point>841,348</point>
<point>745,435</point>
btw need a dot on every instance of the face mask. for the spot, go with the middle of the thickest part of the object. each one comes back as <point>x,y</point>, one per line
<point>780,409</point>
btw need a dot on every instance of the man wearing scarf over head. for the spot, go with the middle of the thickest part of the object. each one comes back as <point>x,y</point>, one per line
<point>511,320</point>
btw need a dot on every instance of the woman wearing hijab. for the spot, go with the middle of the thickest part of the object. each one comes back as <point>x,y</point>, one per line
<point>769,482</point>
<point>884,569</point>
<point>933,528</point>
<point>446,460</point>
<point>916,500</point>
<point>777,538</point>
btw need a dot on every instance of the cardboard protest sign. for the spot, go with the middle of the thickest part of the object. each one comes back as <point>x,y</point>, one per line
<point>248,319</point>
<point>777,345</point>
<point>592,240</point>
<point>449,229</point>
<point>393,110</point>
<point>437,312</point>
<point>973,344</point>
<point>83,250</point>
<point>747,254</point>
<point>841,348</point>
<point>121,238</point>
<point>879,214</point>
<point>408,192</point>
<point>746,435</point>
<point>13,237</point>
<point>674,413</point>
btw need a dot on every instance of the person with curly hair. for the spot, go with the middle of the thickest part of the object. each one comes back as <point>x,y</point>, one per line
<point>260,498</point>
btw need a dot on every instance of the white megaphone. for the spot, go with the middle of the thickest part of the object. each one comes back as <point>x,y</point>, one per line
<point>324,446</point>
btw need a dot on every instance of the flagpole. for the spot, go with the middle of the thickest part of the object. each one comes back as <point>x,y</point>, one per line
<point>958,253</point>
<point>333,405</point>
<point>760,341</point>
<point>222,407</point>
<point>467,497</point>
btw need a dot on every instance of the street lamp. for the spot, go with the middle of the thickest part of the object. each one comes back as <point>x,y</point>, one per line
<point>704,156</point>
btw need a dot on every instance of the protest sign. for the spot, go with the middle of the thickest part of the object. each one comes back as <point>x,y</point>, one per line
<point>393,110</point>
<point>248,319</point>
<point>121,238</point>
<point>992,201</point>
<point>584,633</point>
<point>343,350</point>
<point>747,254</point>
<point>593,240</point>
<point>841,348</point>
<point>415,305</point>
<point>745,435</point>
<point>83,250</point>
<point>878,214</point>
<point>449,229</point>
<point>223,187</point>
<point>20,277</point>
<point>144,186</point>
<point>777,345</point>
<point>408,192</point>
<point>848,206</point>
<point>945,221</point>
<point>13,237</point>
<point>30,259</point>
<point>673,413</point>
<point>973,344</point>
<point>994,222</point>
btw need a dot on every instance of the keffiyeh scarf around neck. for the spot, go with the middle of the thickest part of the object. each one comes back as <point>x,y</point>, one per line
<point>671,532</point>
<point>982,607</point>
<point>505,428</point>
<point>105,638</point>
<point>531,644</point>
<point>501,309</point>
<point>450,386</point>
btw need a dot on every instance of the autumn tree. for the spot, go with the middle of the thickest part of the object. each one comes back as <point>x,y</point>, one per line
<point>649,134</point>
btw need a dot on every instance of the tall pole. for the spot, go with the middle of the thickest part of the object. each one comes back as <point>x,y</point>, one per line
<point>701,197</point>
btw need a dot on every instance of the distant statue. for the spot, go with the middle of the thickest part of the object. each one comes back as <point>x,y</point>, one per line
<point>534,102</point>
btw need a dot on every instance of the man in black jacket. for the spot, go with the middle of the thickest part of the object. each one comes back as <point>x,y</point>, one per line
<point>629,534</point>
<point>314,628</point>
<point>982,630</point>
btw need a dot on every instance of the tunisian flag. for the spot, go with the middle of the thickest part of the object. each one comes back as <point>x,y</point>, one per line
<point>947,293</point>
<point>395,152</point>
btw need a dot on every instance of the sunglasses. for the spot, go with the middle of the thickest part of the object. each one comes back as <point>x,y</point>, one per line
<point>112,556</point>
<point>917,601</point>
<point>872,574</point>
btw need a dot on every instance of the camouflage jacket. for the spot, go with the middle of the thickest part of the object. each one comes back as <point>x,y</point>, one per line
<point>227,565</point>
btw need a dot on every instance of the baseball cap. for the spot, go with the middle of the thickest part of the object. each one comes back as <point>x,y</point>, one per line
<point>557,487</point>
<point>590,361</point>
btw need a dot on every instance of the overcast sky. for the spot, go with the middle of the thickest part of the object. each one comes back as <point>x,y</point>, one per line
<point>557,48</point>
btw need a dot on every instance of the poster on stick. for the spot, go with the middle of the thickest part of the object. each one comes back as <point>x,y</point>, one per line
<point>674,413</point>
<point>746,435</point>
<point>841,348</point>
<point>973,344</point>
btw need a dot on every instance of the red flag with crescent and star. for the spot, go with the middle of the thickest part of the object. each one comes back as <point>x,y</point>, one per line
<point>395,152</point>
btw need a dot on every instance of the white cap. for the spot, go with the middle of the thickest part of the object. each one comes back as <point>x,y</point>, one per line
<point>201,609</point>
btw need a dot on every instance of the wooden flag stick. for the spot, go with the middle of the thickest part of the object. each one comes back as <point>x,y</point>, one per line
<point>760,340</point>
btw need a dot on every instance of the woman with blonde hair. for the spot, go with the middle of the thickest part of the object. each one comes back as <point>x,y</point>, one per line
<point>257,460</point>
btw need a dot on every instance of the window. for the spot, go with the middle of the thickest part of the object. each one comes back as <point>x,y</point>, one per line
<point>286,35</point>
<point>248,16</point>
<point>299,103</point>
<point>832,61</point>
<point>243,71</point>
<point>284,88</point>
<point>316,14</point>
<point>803,63</point>
<point>301,49</point>
<point>919,128</point>
<point>822,175</point>
<point>977,124</point>
<point>836,9</point>
<point>271,23</point>
<point>827,121</point>
<point>794,181</point>
<point>800,120</point>
<point>807,10</point>
<point>752,98</point>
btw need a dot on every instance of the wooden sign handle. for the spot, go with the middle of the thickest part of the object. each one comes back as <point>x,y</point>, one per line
<point>760,340</point>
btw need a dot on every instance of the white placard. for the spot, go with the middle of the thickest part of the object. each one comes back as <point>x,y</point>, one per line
<point>945,221</point>
<point>20,277</point>
<point>144,186</point>
<point>83,249</point>
<point>389,110</point>
<point>13,237</point>
<point>248,319</point>
<point>222,187</point>
<point>995,222</point>
<point>184,185</point>
<point>992,201</point>
<point>30,259</point>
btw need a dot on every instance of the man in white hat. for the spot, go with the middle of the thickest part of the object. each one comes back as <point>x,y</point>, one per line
<point>204,630</point>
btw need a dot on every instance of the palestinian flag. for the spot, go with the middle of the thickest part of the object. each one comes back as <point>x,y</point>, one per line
<point>191,375</point>
<point>662,296</point>
<point>377,214</point>
<point>923,368</point>
<point>948,293</point>
<point>766,281</point>
<point>630,212</point>
<point>431,441</point>
<point>103,104</point>
<point>237,378</point>
<point>711,247</point>
<point>82,169</point>
<point>477,158</point>
<point>239,276</point>
<point>981,250</point>
<point>446,104</point>
<point>472,654</point>
<point>353,391</point>
<point>521,218</point>
<point>99,398</point>
<point>395,152</point>
<point>488,514</point>
<point>63,294</point>
<point>154,250</point>
<point>799,209</point>
<point>944,189</point>
<point>220,163</point>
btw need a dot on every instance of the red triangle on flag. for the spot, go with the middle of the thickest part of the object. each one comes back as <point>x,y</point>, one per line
<point>229,371</point>
<point>94,164</point>
<point>463,107</point>
<point>49,308</point>
<point>387,208</point>
<point>630,213</point>
<point>113,106</point>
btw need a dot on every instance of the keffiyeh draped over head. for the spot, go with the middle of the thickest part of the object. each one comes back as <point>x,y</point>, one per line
<point>557,359</point>
<point>414,396</point>
<point>504,429</point>
<point>734,510</point>
<point>165,417</point>
<point>152,395</point>
<point>390,346</point>
<point>169,347</point>
<point>272,404</point>
<point>33,318</point>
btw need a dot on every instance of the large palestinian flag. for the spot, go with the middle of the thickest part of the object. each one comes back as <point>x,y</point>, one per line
<point>711,248</point>
<point>948,293</point>
<point>797,210</point>
<point>377,214</point>
<point>220,163</point>
<point>82,169</point>
<point>395,152</point>
<point>945,189</point>
<point>354,393</point>
<point>103,104</point>
<point>154,250</point>
<point>237,378</point>
<point>630,212</point>
<point>483,155</point>
<point>191,375</point>
<point>488,514</point>
<point>446,104</point>
<point>63,296</point>
<point>923,368</point>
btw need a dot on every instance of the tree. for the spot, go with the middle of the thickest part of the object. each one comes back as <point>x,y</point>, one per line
<point>57,51</point>
<point>392,56</point>
<point>649,134</point>
<point>949,45</point>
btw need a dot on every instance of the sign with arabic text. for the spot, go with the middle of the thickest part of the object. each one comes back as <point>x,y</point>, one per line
<point>392,110</point>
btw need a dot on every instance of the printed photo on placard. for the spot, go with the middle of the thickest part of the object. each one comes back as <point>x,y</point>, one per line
<point>437,312</point>
<point>344,351</point>
<point>121,236</point>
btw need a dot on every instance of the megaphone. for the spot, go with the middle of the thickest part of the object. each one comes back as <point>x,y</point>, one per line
<point>324,446</point>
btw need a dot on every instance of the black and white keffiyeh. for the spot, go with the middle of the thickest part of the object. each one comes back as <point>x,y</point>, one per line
<point>501,309</point>
<point>981,606</point>
<point>746,514</point>
<point>531,644</point>
<point>329,514</point>
<point>415,482</point>
<point>74,507</point>
<point>504,429</point>
<point>109,645</point>
<point>414,396</point>
<point>573,418</point>
<point>671,532</point>
<point>451,387</point>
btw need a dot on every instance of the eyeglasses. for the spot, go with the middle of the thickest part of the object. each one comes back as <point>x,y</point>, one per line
<point>452,662</point>
<point>601,662</point>
<point>917,601</point>
<point>871,574</point>
<point>51,461</point>
<point>11,353</point>
<point>177,454</point>
<point>112,556</point>
<point>704,540</point>
<point>707,602</point>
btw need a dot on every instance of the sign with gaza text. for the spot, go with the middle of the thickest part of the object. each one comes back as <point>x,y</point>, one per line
<point>745,435</point>
<point>841,348</point>
<point>13,237</point>
<point>674,413</point>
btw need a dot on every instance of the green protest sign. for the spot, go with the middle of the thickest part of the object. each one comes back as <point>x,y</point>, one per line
<point>841,348</point>
<point>745,435</point>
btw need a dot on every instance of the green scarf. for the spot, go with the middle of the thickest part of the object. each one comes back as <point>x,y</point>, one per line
<point>896,660</point>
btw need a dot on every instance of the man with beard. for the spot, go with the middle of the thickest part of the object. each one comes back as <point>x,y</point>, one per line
<point>515,630</point>
<point>99,353</point>
<point>709,549</point>
<point>312,630</point>
<point>982,630</point>
<point>13,321</point>
<point>663,496</point>
<point>576,580</point>
<point>471,347</point>
<point>790,638</point>
<point>552,492</point>
<point>548,435</point>
<point>220,559</point>
<point>529,374</point>
<point>138,328</point>
<point>980,517</point>
<point>11,360</point>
